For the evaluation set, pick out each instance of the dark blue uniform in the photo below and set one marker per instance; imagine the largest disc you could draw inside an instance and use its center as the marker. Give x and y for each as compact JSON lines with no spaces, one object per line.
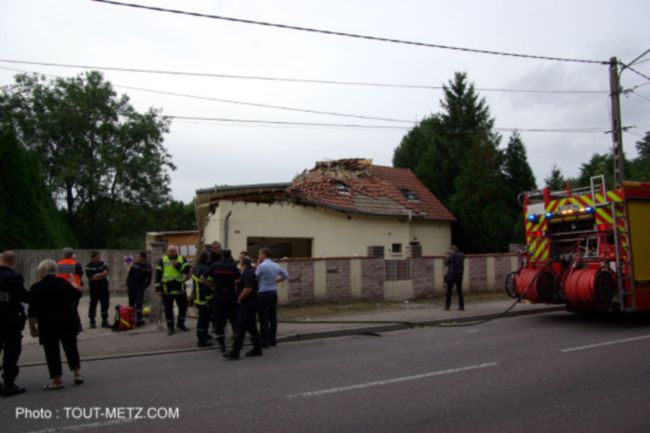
{"x":12,"y":322}
{"x":137,"y":282}
{"x":202,"y":295}
{"x":224,"y":274}
{"x":247,"y":316}
{"x":98,"y":292}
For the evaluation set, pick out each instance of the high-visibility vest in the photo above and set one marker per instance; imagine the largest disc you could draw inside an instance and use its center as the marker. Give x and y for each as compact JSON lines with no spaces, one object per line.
{"x":170,"y":273}
{"x":66,"y":269}
{"x":199,"y":292}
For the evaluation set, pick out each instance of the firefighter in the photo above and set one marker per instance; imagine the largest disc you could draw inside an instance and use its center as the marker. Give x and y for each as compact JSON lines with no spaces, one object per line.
{"x":202,"y":296}
{"x":215,"y":252}
{"x":223,"y":275}
{"x":137,"y":282}
{"x":12,"y":322}
{"x":97,"y":273}
{"x":70,"y":270}
{"x":246,"y":317}
{"x":171,"y":273}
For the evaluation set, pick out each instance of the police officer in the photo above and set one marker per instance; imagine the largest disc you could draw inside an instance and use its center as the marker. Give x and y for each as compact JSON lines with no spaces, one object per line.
{"x":202,"y":295}
{"x":12,"y":322}
{"x":137,"y":282}
{"x":223,"y":275}
{"x":97,"y":273}
{"x":246,"y":316}
{"x":171,"y":273}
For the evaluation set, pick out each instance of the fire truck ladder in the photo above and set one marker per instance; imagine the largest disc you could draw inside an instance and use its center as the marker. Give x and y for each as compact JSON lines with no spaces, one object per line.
{"x":598,"y":185}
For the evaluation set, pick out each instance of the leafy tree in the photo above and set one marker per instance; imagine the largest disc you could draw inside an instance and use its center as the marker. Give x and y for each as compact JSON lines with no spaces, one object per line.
{"x":555,"y":180}
{"x":28,"y":214}
{"x":640,"y":167}
{"x":97,"y":153}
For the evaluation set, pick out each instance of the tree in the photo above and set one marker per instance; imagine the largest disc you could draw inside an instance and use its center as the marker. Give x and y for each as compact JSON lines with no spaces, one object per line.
{"x":28,"y":214}
{"x":97,"y":153}
{"x":455,"y":154}
{"x":640,"y":166}
{"x":555,"y":180}
{"x":518,"y":178}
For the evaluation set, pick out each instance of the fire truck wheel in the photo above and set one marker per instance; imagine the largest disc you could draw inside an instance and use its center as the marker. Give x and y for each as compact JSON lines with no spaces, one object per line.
{"x":511,"y":290}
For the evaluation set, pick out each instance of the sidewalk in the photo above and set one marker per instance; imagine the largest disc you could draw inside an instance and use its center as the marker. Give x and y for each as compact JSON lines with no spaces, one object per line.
{"x":95,"y":344}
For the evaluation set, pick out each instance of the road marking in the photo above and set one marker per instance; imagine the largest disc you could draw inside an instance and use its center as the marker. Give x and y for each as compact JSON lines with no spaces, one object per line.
{"x":390,"y":381}
{"x":84,"y":426}
{"x":605,"y":343}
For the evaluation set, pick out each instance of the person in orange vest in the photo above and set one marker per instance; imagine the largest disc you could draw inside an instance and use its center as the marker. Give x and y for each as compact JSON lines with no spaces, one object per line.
{"x":71,"y":270}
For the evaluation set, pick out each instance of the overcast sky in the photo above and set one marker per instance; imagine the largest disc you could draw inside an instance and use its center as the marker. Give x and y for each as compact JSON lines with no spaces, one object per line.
{"x":86,"y":32}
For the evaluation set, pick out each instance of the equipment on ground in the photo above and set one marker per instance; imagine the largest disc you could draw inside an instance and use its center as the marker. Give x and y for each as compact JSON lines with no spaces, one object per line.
{"x":124,"y":318}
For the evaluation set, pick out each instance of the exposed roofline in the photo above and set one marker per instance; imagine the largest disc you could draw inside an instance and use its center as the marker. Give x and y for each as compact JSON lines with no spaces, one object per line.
{"x":279,"y":185}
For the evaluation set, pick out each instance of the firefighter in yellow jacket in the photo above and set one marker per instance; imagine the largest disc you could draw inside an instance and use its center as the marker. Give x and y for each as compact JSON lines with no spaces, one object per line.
{"x":171,"y":273}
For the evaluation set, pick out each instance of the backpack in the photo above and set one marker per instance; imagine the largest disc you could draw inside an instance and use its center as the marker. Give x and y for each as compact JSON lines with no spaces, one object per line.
{"x":124,"y":318}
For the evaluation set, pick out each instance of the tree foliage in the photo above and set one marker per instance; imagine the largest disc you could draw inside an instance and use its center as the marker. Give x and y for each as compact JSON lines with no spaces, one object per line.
{"x":555,"y":180}
{"x":455,"y":153}
{"x":28,"y":214}
{"x":98,"y":155}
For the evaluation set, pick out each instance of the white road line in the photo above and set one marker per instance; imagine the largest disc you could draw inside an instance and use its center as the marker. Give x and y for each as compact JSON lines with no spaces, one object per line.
{"x":84,"y":426}
{"x":390,"y":381}
{"x":605,"y":343}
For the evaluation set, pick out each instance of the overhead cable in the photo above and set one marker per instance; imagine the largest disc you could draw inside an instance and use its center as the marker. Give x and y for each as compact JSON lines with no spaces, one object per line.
{"x":354,"y":35}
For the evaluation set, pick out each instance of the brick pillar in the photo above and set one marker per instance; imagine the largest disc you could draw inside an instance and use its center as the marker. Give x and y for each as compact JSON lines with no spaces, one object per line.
{"x":375,"y":252}
{"x":156,"y":251}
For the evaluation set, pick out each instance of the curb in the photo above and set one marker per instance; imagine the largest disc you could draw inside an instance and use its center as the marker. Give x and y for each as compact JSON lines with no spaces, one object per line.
{"x":378,"y":327}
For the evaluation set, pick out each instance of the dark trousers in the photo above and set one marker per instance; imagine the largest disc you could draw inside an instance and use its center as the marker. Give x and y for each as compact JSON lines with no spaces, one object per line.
{"x":225,"y":310}
{"x":101,"y":295}
{"x":181,"y":303}
{"x":203,"y":323}
{"x":457,"y":280}
{"x":53,"y":353}
{"x":267,"y":310}
{"x":246,"y":323}
{"x":11,"y":336}
{"x":136,"y":298}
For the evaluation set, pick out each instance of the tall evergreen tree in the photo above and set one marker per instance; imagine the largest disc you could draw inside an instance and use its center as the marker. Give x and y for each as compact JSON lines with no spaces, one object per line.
{"x":555,"y":179}
{"x":640,"y":167}
{"x":519,"y":178}
{"x":28,"y":214}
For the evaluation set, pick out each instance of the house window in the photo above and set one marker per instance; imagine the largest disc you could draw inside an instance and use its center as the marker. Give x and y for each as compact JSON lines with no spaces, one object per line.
{"x":410,"y":195}
{"x":342,"y":188}
{"x":396,"y":248}
{"x":396,"y":270}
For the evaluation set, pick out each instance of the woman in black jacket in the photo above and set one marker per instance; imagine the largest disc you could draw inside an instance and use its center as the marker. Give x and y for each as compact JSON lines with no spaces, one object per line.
{"x":54,"y":319}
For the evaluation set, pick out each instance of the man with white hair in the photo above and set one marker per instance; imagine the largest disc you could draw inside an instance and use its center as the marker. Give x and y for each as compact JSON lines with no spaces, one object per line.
{"x":171,"y":273}
{"x":12,"y":322}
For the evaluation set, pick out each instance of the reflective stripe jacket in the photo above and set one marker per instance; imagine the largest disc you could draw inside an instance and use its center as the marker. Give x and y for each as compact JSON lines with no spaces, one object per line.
{"x":202,"y":292}
{"x":70,"y":270}
{"x":170,"y":277}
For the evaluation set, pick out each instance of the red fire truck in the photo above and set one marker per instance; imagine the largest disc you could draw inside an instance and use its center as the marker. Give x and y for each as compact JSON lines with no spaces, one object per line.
{"x":587,"y":248}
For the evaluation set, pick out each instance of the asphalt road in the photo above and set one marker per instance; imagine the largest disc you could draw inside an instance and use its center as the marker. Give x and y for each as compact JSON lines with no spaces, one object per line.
{"x":547,"y":373}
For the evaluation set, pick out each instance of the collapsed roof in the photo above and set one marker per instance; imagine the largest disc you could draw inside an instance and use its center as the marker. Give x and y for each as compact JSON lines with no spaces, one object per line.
{"x":352,"y":186}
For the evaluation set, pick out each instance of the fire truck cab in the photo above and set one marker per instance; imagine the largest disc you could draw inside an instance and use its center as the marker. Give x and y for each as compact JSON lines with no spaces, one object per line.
{"x":587,"y":248}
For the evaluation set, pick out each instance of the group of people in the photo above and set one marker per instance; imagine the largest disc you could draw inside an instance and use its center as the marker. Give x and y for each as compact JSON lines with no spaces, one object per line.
{"x":224,"y":291}
{"x":53,"y":318}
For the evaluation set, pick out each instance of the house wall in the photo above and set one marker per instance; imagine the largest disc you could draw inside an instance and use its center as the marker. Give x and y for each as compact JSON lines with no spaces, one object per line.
{"x":334,"y":234}
{"x":362,"y":278}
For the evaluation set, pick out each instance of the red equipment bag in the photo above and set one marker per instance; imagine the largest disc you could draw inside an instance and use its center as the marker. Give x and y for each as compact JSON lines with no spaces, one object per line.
{"x":124,"y":318}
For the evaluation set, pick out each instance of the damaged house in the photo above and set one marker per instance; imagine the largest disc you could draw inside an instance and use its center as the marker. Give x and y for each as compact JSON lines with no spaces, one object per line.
{"x":337,"y":209}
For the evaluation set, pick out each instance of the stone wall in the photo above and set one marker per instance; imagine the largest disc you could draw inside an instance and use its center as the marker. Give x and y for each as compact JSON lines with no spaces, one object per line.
{"x":376,"y":278}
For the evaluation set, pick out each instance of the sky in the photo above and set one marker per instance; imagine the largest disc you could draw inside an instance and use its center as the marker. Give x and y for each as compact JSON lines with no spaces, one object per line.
{"x":84,"y":32}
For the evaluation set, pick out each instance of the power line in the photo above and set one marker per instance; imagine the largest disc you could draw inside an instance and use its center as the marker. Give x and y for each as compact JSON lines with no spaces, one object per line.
{"x":246,"y":103}
{"x":347,"y":125}
{"x":268,"y":122}
{"x":640,"y":74}
{"x":641,"y":96}
{"x":291,"y":79}
{"x":353,"y":35}
{"x":637,"y":58}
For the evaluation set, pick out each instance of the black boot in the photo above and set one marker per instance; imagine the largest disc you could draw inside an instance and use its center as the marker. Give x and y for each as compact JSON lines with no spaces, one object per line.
{"x":204,"y":343}
{"x":105,"y":323}
{"x":181,"y":326}
{"x":222,"y":344}
{"x":257,"y":347}
{"x":93,"y":324}
{"x":170,"y":331}
{"x":231,"y":355}
{"x":11,"y":390}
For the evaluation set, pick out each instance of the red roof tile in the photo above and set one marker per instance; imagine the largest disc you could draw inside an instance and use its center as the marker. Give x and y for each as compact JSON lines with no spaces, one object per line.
{"x":373,"y":190}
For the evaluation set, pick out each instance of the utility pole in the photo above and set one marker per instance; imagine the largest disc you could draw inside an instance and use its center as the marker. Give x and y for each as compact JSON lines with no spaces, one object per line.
{"x":617,"y":129}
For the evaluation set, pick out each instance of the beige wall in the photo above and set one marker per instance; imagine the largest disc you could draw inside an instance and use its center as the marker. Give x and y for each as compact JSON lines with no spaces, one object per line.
{"x":333,"y":234}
